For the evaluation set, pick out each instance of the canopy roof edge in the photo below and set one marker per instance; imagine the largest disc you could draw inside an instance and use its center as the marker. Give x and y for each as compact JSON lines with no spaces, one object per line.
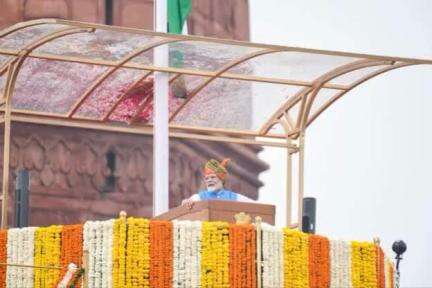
{"x":241,"y":43}
{"x":331,"y":72}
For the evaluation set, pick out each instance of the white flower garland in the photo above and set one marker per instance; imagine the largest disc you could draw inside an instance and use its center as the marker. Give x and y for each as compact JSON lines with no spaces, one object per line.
{"x":98,"y":241}
{"x":20,"y":250}
{"x":108,"y":236}
{"x":177,"y":267}
{"x":12,"y":258}
{"x":340,"y":264}
{"x":186,"y":254}
{"x":89,"y":246}
{"x":272,"y":253}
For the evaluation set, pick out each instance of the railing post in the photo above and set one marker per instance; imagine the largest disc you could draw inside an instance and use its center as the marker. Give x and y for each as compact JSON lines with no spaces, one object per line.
{"x":399,"y":247}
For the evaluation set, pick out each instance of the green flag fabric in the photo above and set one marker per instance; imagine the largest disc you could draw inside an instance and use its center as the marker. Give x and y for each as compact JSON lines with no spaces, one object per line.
{"x":178,"y":11}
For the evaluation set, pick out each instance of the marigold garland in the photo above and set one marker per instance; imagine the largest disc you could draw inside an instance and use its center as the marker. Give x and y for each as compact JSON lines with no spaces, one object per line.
{"x":189,"y":254}
{"x":319,"y":266}
{"x":47,"y":252}
{"x":272,"y":256}
{"x":242,"y":256}
{"x":12,"y":274}
{"x":389,"y":273}
{"x":119,"y":254}
{"x":71,"y":247}
{"x":107,"y":258}
{"x":380,"y":267}
{"x":296,"y":259}
{"x":98,"y":241}
{"x":186,"y":254}
{"x":89,"y":243}
{"x":215,"y":255}
{"x":20,"y":250}
{"x":340,"y":264}
{"x":138,"y":253}
{"x":3,"y":257}
{"x":392,"y":276}
{"x":364,"y":265}
{"x":161,"y":248}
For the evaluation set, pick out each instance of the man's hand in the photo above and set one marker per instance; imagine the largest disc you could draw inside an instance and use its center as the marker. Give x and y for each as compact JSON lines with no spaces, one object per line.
{"x":189,"y":203}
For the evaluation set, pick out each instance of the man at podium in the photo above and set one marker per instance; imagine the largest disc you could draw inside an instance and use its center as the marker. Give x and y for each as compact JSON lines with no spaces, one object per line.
{"x":215,"y":175}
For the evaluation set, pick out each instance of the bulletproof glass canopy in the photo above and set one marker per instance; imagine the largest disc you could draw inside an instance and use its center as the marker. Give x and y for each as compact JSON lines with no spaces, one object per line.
{"x":95,"y":76}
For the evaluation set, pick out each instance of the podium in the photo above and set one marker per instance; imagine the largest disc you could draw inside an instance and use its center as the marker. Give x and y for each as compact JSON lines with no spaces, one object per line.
{"x":220,"y":210}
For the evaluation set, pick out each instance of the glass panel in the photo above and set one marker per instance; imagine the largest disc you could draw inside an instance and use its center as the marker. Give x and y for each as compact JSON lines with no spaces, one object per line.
{"x":181,"y":88}
{"x":291,"y":65}
{"x":52,"y":86}
{"x":2,"y":84}
{"x":143,"y":99}
{"x":323,"y":96}
{"x":101,"y":44}
{"x":25,"y":36}
{"x":106,"y":94}
{"x":3,"y":59}
{"x":234,"y":104}
{"x":198,"y":55}
{"x":350,"y":78}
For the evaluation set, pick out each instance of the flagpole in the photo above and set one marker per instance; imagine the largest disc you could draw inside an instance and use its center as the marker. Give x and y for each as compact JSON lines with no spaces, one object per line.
{"x":160,"y":122}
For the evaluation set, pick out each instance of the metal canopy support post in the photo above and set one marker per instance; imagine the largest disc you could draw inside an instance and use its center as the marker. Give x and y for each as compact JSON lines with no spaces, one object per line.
{"x":301,"y":180}
{"x":160,"y":128}
{"x":6,"y":150}
{"x":289,"y":185}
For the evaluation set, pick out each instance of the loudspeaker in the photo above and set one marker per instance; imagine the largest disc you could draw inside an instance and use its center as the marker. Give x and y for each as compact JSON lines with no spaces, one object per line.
{"x":22,"y":199}
{"x":309,"y":215}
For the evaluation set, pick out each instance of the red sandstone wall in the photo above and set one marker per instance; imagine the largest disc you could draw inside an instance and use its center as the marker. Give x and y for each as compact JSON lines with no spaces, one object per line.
{"x":216,"y":18}
{"x":68,"y":171}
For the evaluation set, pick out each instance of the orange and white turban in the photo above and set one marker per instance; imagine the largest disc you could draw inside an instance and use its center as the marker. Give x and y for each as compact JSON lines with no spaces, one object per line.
{"x":214,"y":167}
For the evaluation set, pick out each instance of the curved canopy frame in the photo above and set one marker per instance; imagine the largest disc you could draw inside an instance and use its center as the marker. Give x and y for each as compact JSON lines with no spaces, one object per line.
{"x":78,"y":74}
{"x":211,"y":72}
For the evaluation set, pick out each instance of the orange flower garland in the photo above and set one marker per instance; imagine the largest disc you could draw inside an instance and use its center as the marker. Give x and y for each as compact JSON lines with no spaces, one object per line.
{"x":319,"y":262}
{"x":3,"y":257}
{"x":242,"y":256}
{"x":380,"y":267}
{"x":161,"y":250}
{"x":71,"y":247}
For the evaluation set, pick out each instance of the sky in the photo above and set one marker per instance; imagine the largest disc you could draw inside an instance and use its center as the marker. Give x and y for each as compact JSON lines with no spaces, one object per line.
{"x":368,"y":157}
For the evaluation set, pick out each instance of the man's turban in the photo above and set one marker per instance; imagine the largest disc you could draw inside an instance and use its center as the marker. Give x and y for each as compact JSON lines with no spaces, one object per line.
{"x":214,"y":167}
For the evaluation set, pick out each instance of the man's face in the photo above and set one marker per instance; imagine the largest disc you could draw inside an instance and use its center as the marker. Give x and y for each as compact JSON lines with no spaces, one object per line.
{"x":212,"y":182}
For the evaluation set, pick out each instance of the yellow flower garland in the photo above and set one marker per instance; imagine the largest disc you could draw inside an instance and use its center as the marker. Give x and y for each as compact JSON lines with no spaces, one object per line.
{"x":215,"y":255}
{"x":47,"y":252}
{"x":363,"y":265}
{"x":138,"y":253}
{"x":296,"y":259}
{"x":119,"y":254}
